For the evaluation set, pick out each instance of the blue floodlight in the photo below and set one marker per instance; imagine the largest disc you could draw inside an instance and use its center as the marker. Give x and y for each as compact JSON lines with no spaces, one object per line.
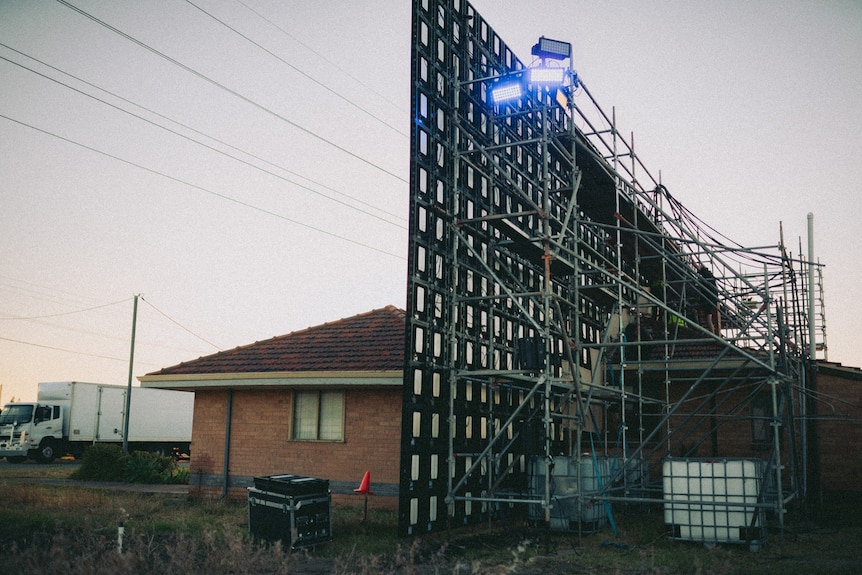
{"x":547,"y":77}
{"x":506,"y":90}
{"x":548,"y":49}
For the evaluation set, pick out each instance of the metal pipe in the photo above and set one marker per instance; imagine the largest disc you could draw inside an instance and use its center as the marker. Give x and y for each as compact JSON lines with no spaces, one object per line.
{"x":776,"y":431}
{"x":225,"y":471}
{"x":452,"y":490}
{"x":812,"y":346}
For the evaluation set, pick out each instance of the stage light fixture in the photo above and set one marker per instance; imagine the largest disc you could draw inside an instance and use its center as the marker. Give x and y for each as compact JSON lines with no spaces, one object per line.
{"x":548,"y":49}
{"x":546,"y":77}
{"x":506,"y":90}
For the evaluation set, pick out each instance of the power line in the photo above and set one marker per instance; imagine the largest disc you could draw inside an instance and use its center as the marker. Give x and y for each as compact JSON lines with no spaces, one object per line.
{"x":67,"y":312}
{"x":300,"y":185}
{"x":63,"y":349}
{"x":149,"y":344}
{"x":181,"y":326}
{"x":231,"y":91}
{"x":298,"y":71}
{"x":202,"y":189}
{"x":72,"y":351}
{"x":335,"y":65}
{"x":46,"y":294}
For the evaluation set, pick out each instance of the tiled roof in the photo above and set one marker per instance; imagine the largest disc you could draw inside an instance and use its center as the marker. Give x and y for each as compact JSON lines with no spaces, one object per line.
{"x":843,"y":371}
{"x":687,"y":345}
{"x":372,"y":341}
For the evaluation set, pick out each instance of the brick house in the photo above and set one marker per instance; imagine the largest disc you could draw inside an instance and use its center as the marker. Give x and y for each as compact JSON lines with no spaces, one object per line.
{"x":320,"y":402}
{"x":327,"y":402}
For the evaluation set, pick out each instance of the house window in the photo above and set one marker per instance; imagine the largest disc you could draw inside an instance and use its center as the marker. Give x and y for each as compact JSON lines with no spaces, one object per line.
{"x":318,"y":416}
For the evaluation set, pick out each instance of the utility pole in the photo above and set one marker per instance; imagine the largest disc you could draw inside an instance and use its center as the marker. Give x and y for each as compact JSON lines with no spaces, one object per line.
{"x":129,"y":387}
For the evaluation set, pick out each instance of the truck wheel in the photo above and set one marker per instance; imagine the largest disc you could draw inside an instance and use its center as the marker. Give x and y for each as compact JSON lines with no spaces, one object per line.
{"x":46,"y":451}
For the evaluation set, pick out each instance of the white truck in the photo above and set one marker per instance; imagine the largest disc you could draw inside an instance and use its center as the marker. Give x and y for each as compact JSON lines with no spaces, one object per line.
{"x":70,"y":415}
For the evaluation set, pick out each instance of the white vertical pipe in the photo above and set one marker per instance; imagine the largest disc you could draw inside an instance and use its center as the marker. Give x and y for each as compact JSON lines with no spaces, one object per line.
{"x":767,"y":298}
{"x":812,"y":347}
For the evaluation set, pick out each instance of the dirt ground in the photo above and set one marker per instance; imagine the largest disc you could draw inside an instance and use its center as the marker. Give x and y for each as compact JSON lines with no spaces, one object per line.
{"x":826,"y":541}
{"x":640,"y":546}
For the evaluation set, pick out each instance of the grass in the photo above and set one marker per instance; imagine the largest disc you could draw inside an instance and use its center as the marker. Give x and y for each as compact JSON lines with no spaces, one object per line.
{"x":58,"y":470}
{"x":48,"y":528}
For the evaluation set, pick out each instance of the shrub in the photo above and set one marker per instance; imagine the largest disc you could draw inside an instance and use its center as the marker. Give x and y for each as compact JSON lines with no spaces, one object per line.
{"x":146,"y":467}
{"x":101,"y":462}
{"x":180,"y":476}
{"x":106,"y":462}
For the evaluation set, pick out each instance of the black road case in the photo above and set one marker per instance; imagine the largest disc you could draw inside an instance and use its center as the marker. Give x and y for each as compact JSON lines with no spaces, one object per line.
{"x":296,"y":519}
{"x":292,"y":484}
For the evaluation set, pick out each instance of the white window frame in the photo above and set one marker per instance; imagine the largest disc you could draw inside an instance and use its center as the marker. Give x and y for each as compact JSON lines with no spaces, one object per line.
{"x":317,"y":424}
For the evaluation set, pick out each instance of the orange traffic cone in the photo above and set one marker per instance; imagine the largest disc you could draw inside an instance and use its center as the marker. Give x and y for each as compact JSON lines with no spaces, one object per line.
{"x":365,"y":486}
{"x":365,"y":489}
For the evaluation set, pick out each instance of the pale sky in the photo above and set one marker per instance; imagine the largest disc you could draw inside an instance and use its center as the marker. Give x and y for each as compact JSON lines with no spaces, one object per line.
{"x":243,"y":164}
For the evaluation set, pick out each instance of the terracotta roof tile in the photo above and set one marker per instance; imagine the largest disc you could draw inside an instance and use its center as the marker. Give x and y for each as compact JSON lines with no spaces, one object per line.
{"x":372,"y":341}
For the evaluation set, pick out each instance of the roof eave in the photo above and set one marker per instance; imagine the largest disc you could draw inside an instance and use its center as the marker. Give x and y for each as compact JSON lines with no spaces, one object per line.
{"x":198,"y":381}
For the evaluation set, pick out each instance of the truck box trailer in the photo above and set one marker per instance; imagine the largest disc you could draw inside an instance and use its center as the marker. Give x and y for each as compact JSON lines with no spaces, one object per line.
{"x":70,"y":415}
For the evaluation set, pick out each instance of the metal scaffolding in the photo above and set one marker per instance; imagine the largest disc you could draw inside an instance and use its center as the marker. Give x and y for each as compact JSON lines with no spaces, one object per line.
{"x":568,"y":316}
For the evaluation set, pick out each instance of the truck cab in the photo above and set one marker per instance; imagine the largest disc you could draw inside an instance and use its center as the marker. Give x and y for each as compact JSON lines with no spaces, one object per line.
{"x":30,"y":429}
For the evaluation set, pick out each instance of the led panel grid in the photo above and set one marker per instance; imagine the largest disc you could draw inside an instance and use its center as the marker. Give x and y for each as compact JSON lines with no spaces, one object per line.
{"x":465,"y":274}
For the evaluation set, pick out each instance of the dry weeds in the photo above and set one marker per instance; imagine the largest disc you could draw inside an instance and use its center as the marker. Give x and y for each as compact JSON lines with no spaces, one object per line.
{"x":68,"y":529}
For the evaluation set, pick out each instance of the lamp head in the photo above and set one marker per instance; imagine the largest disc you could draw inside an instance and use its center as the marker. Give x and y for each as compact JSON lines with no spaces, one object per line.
{"x":507,"y":90}
{"x":547,"y":77}
{"x":548,"y":49}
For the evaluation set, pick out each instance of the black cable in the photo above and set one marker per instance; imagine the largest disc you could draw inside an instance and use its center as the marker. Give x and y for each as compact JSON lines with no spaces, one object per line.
{"x":63,"y":349}
{"x":230,"y":91}
{"x":181,"y":326}
{"x":347,"y":73}
{"x":298,"y":71}
{"x":201,"y":188}
{"x":174,"y":132}
{"x":65,"y":313}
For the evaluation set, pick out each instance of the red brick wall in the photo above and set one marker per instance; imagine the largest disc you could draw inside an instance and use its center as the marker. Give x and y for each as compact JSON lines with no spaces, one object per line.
{"x":261,"y":445}
{"x":208,"y":431}
{"x":839,"y":428}
{"x":732,"y":422}
{"x":261,"y":422}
